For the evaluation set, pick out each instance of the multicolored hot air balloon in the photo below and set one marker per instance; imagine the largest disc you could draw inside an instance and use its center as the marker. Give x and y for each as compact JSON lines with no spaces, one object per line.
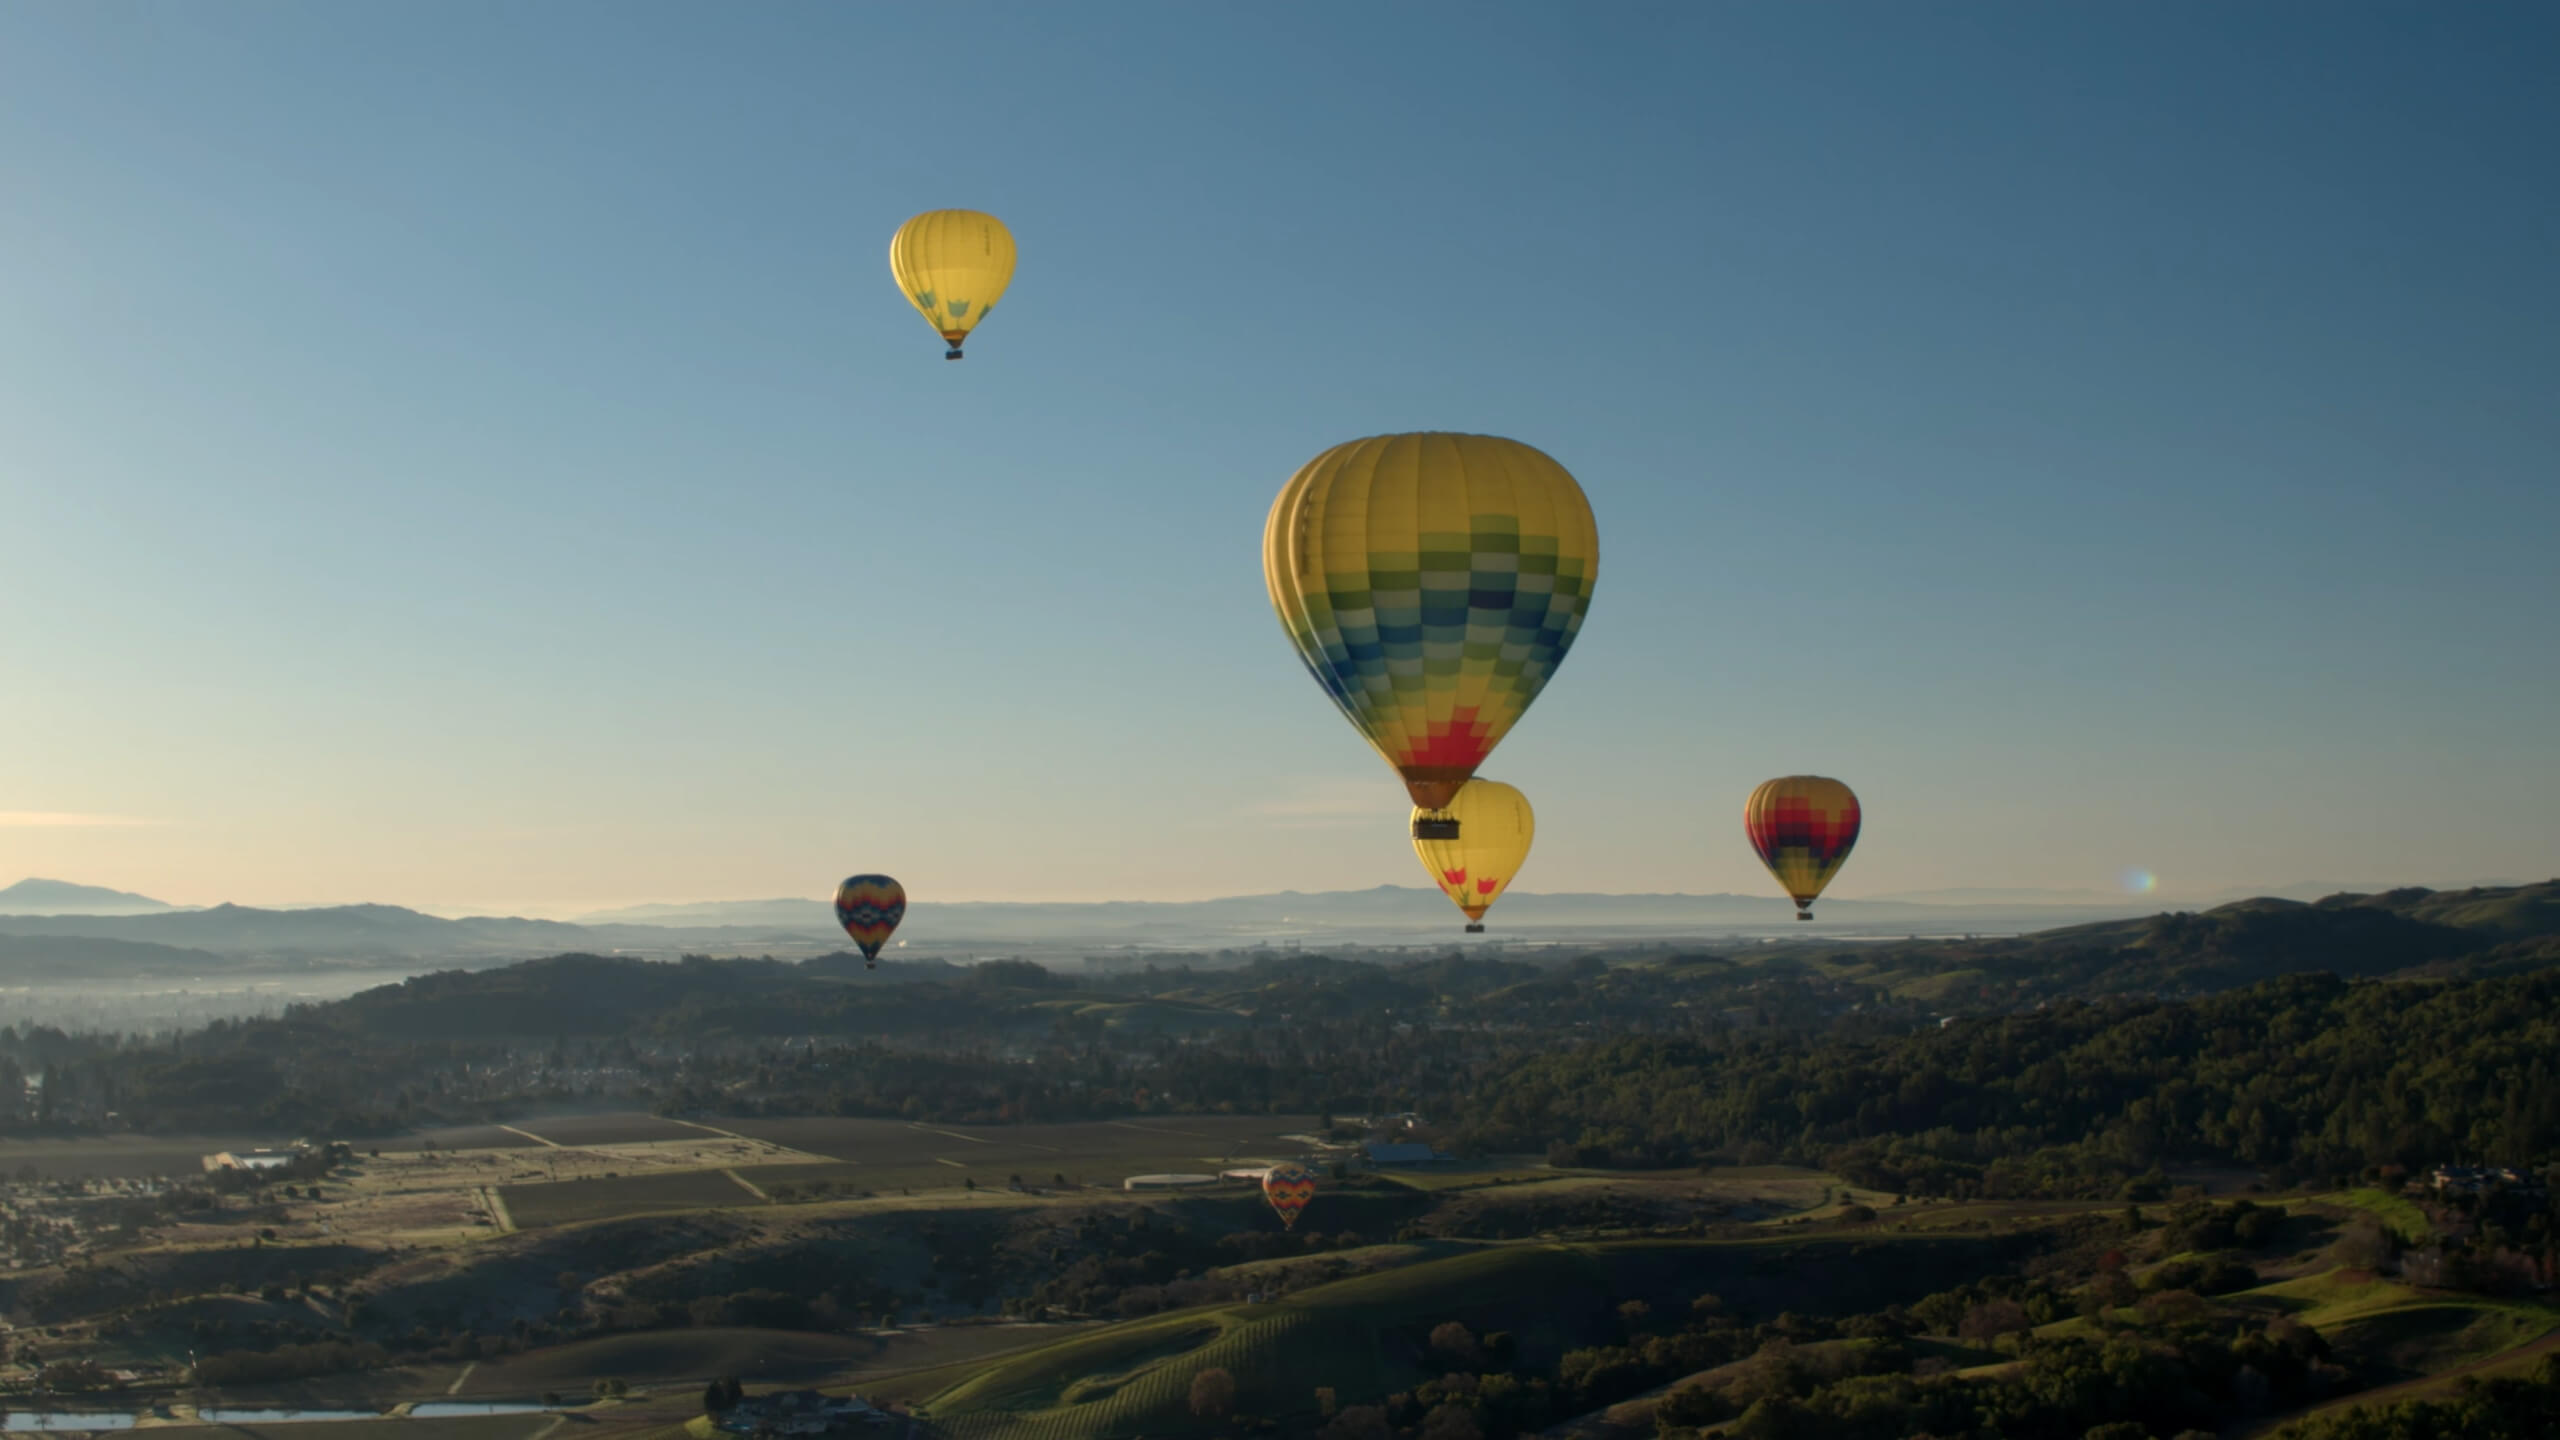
{"x":953,"y":266}
{"x":1432,"y":583}
{"x":869,"y":907}
{"x":1289,"y":1188}
{"x":1803,"y":826}
{"x":1474,"y":847}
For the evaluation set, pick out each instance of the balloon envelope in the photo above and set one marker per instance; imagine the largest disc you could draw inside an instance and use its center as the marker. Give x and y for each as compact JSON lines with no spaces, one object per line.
{"x":952,"y":266}
{"x":1432,"y":583}
{"x":1493,"y":826}
{"x":869,"y":907}
{"x":1803,"y":826}
{"x":1289,"y":1188}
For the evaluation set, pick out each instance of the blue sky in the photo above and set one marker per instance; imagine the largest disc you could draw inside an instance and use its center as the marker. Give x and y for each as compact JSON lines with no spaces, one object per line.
{"x":473,"y":453}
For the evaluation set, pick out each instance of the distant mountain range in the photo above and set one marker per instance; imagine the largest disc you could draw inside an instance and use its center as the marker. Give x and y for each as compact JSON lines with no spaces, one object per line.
{"x":699,"y":913}
{"x":1985,"y":895}
{"x":373,"y":935}
{"x":2409,"y":933}
{"x":377,"y":936}
{"x":60,"y":897}
{"x":1383,"y":913}
{"x":347,"y":933}
{"x":71,"y":959}
{"x":2305,"y":890}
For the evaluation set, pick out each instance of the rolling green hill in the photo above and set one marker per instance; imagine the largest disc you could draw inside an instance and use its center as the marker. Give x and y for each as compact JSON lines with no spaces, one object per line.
{"x":1367,"y":1335}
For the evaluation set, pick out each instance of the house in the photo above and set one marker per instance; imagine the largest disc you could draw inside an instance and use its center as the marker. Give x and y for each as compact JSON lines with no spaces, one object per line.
{"x":262,"y":1159}
{"x":1407,"y":1153}
{"x":2460,"y":1179}
{"x":2477,"y":1179}
{"x":797,"y":1412}
{"x":1401,"y":1120}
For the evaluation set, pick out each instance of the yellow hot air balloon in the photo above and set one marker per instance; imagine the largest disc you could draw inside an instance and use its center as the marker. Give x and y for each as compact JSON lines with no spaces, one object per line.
{"x":1432,"y":583}
{"x":953,"y":266}
{"x":1474,"y":847}
{"x":1803,"y":826}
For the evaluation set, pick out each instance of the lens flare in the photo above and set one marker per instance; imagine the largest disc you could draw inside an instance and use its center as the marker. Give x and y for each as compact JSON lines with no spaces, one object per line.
{"x":2140,"y":882}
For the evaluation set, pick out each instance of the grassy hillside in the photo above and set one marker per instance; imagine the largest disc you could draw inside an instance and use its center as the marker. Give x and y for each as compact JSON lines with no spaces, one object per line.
{"x":1367,"y":1335}
{"x":2400,"y":1216}
{"x":2508,"y":912}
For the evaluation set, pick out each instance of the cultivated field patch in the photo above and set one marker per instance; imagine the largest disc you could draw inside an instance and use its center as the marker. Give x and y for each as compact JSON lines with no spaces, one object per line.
{"x":571,"y":1201}
{"x":2398,"y":1214}
{"x":622,"y":1129}
{"x":669,"y":1356}
{"x":890,"y":1157}
{"x":1195,"y":1139}
{"x":445,"y":1427}
{"x":120,"y":1157}
{"x":2425,"y":1339}
{"x":454,"y":1137}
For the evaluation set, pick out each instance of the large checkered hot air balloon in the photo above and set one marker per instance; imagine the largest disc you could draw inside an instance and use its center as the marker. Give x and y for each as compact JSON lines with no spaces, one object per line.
{"x":1432,"y":583}
{"x":869,"y":907}
{"x":1475,"y":846}
{"x":1289,"y":1188}
{"x":952,"y":265}
{"x":1803,"y":826}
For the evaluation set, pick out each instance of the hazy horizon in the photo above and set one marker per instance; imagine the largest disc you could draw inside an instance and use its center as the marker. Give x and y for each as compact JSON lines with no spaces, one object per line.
{"x":1954,"y":897}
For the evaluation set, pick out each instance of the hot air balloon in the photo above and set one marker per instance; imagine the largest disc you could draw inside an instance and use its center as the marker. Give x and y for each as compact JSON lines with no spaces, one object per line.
{"x":953,"y":266}
{"x":869,"y":907}
{"x":1289,"y":1188}
{"x":1475,"y":846}
{"x":1432,"y":583}
{"x":1803,"y":826}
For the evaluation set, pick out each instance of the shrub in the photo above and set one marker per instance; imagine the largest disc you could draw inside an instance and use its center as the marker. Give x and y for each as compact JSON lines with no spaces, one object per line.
{"x":1993,"y":1318}
{"x":1360,"y":1422}
{"x":1213,"y":1394}
{"x":1455,"y":1342}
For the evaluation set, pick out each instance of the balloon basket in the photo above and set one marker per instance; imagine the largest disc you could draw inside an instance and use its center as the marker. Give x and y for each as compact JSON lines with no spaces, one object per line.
{"x":1804,"y":914}
{"x":1475,"y":929}
{"x":952,"y":354}
{"x":1436,"y":827}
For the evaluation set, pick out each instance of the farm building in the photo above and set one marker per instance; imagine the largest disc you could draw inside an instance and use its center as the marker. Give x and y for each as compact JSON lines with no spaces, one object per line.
{"x":253,"y":1159}
{"x":1167,"y":1182}
{"x":1401,"y":1120}
{"x":796,"y":1412}
{"x":2477,"y":1179}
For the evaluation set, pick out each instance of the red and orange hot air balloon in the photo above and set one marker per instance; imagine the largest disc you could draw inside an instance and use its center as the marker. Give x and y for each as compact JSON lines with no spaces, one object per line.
{"x":1289,"y":1188}
{"x":869,"y":907}
{"x":1803,"y":826}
